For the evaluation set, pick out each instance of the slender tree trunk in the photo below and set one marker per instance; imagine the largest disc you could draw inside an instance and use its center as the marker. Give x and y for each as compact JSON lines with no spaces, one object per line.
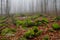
{"x":1,"y":7}
{"x":45,"y":6}
{"x":32,"y":6}
{"x":41,"y":6}
{"x":7,"y":8}
{"x":36,"y":5}
{"x":56,"y":7}
{"x":55,"y":2}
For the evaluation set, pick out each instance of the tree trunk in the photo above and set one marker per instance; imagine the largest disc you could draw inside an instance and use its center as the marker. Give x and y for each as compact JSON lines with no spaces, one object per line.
{"x":56,"y":7}
{"x":1,"y":7}
{"x":45,"y":6}
{"x":32,"y":6}
{"x":7,"y":8}
{"x":41,"y":6}
{"x":55,"y":2}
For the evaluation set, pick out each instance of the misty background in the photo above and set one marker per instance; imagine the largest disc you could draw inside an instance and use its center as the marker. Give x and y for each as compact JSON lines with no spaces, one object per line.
{"x":22,"y":6}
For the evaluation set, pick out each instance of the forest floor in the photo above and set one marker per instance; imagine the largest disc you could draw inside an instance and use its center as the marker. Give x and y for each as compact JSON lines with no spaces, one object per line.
{"x":48,"y":32}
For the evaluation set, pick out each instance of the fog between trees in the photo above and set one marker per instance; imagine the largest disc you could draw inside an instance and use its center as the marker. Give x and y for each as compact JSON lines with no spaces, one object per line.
{"x":30,"y":6}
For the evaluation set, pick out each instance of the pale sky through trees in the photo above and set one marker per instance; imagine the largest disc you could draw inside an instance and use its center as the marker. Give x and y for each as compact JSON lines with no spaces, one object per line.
{"x":26,"y":5}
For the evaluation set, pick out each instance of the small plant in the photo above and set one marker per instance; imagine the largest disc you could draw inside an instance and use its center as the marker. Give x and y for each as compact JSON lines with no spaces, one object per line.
{"x":51,"y":30}
{"x":41,"y":22}
{"x":22,"y":15}
{"x":28,"y":23}
{"x":57,"y":18}
{"x":2,"y":18}
{"x":4,"y":39}
{"x":56,"y":26}
{"x":23,"y":38}
{"x":2,"y":21}
{"x":38,"y":22}
{"x":39,"y":32}
{"x":36,"y":31}
{"x":40,"y":15}
{"x":29,"y":34}
{"x":19,"y":22}
{"x":8,"y":31}
{"x":33,"y":33}
{"x":44,"y":20}
{"x":1,"y":25}
{"x":34,"y":17}
{"x":46,"y":37}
